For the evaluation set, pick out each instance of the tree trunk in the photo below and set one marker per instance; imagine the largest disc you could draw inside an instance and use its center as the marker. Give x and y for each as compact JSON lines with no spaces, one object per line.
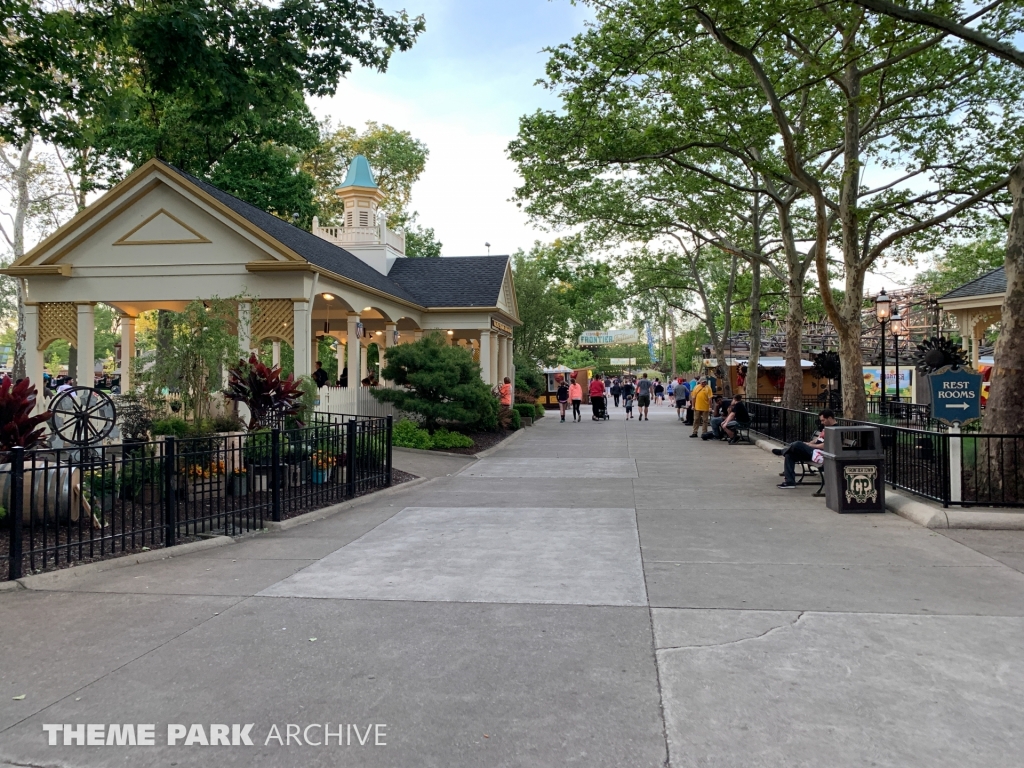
{"x":793,"y":389}
{"x":21,"y":204}
{"x":750,"y":385}
{"x":18,"y":369}
{"x":1004,"y":413}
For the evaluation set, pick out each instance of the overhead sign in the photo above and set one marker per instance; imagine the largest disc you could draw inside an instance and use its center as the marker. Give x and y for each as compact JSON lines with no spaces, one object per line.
{"x":956,"y":396}
{"x":497,"y":325}
{"x":598,"y":338}
{"x":622,"y":361}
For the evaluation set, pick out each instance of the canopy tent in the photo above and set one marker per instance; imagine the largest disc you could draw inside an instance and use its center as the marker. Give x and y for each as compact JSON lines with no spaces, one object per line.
{"x":777,"y":362}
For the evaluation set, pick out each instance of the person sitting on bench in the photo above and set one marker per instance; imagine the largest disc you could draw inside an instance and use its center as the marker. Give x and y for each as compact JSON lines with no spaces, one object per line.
{"x":737,"y":417}
{"x":799,"y":451}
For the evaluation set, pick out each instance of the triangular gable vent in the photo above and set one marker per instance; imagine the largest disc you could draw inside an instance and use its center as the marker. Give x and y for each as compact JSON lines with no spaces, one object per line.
{"x":162,"y":228}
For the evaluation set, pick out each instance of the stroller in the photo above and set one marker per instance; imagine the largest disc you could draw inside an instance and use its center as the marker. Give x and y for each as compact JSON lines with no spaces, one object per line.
{"x":599,"y":404}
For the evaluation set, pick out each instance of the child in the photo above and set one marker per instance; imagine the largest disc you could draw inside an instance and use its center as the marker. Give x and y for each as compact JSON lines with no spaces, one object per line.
{"x":628,"y":390}
{"x":563,"y":398}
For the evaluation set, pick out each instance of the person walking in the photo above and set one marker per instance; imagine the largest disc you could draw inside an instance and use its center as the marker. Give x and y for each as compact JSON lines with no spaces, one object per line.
{"x":643,"y":396}
{"x":320,"y":375}
{"x":659,"y":392}
{"x":682,"y":393}
{"x":628,"y":393}
{"x":616,"y":391}
{"x":576,"y":396}
{"x":670,"y":389}
{"x":701,"y":406}
{"x":563,"y":398}
{"x":597,"y":399}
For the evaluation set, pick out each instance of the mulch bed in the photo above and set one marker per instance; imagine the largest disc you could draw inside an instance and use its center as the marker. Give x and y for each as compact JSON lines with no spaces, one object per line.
{"x":481,"y":442}
{"x":127,"y":536}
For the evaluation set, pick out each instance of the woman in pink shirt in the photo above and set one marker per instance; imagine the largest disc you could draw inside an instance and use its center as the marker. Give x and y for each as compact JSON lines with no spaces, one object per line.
{"x":576,"y":395}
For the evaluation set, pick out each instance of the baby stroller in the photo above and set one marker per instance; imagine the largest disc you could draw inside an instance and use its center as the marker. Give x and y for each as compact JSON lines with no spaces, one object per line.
{"x":600,"y":407}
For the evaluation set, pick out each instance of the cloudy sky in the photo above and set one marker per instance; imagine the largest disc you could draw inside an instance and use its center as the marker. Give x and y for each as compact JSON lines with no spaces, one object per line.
{"x":461,"y":90}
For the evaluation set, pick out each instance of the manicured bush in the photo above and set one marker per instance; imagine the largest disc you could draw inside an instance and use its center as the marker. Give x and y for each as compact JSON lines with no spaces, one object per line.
{"x":440,"y":383}
{"x":444,"y":439}
{"x":514,"y":421}
{"x":538,"y":411}
{"x":524,"y":409}
{"x":405,"y":434}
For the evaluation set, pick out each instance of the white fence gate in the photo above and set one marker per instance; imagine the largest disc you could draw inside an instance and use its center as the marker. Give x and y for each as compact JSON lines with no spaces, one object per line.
{"x":355,"y":401}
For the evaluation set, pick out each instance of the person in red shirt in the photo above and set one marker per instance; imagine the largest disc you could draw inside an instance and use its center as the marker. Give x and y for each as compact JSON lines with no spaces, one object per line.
{"x":505,"y":392}
{"x":597,"y":402}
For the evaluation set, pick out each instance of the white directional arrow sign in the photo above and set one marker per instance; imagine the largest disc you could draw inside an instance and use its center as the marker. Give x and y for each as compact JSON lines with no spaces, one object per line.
{"x":962,"y":406}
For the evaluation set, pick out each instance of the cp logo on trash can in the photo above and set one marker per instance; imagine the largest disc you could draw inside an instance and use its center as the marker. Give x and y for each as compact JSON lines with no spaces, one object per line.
{"x":860,"y":484}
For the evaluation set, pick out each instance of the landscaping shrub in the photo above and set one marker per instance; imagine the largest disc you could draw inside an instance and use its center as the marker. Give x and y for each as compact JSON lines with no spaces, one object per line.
{"x":524,"y":409}
{"x":174,"y":426}
{"x":18,"y":427}
{"x":440,"y":383}
{"x":444,"y":439}
{"x":538,"y":411}
{"x":227,"y":424}
{"x":405,"y":434}
{"x":514,"y":421}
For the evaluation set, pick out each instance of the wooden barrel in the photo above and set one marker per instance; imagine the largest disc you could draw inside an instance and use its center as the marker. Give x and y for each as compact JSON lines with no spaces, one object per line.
{"x":50,"y":492}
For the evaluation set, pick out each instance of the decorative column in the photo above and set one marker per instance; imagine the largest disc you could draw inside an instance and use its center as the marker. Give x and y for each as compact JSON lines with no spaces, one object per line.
{"x":85,"y":375}
{"x":340,"y":352}
{"x":502,"y":357}
{"x":352,"y":351}
{"x":303,"y":338}
{"x":363,"y":366}
{"x":245,"y":328}
{"x":494,"y":358}
{"x":34,"y":355}
{"x":485,"y":357}
{"x":275,"y":354}
{"x":389,"y":342}
{"x":127,"y":352}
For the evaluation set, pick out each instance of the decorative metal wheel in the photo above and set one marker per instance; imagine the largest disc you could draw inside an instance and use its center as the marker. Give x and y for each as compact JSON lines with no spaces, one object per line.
{"x":82,"y":416}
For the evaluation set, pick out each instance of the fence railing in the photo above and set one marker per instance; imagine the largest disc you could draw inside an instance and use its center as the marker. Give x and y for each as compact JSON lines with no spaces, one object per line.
{"x":966,"y":470}
{"x":65,"y":506}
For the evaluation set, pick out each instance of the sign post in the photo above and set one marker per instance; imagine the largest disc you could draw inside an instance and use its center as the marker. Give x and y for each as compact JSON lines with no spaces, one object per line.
{"x":956,"y":396}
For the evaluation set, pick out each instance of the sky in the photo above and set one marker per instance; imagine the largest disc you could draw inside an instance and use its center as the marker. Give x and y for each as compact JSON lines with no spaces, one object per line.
{"x":461,"y":90}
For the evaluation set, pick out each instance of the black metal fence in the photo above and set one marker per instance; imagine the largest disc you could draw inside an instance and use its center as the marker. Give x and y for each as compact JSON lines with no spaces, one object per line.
{"x":923,"y":462}
{"x":61,"y":507}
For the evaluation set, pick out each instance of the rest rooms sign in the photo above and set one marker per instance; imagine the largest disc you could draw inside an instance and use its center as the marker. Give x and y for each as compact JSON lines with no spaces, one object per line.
{"x":956,"y":396}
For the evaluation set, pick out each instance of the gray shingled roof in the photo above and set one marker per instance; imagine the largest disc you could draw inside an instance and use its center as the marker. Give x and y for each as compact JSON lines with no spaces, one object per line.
{"x":462,"y":281}
{"x":993,"y":282}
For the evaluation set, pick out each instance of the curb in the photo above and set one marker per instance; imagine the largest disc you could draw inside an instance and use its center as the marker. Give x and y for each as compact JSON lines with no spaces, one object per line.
{"x":931,"y":516}
{"x":56,"y":578}
{"x":500,"y":445}
{"x":422,"y":452}
{"x":320,"y":514}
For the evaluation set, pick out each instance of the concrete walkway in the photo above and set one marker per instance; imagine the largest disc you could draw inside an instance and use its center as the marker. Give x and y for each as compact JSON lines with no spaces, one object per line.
{"x":595,"y":594}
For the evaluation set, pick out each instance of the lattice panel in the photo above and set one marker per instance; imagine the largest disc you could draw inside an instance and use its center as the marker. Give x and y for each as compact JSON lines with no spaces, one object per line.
{"x":57,"y":320}
{"x":275,"y":319}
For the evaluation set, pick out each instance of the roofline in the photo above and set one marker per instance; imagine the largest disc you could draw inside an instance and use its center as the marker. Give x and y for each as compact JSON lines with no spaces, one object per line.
{"x":979,"y":297}
{"x":308,"y":266}
{"x":972,"y":282}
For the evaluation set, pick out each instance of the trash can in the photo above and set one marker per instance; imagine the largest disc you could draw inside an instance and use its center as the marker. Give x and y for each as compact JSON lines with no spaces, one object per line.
{"x":854,"y":469}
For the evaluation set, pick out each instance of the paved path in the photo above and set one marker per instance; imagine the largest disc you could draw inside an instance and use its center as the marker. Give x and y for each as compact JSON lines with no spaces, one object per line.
{"x":596,"y":594}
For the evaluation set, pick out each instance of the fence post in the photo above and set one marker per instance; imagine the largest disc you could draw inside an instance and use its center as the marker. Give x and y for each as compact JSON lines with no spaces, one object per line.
{"x":275,"y":460}
{"x":350,"y":459}
{"x":14,"y":552}
{"x":387,"y":481}
{"x":170,"y":503}
{"x":955,"y":465}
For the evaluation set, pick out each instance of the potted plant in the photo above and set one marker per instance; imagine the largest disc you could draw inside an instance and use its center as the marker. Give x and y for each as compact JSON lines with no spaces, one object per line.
{"x":102,"y":484}
{"x":239,"y":482}
{"x":323,"y":467}
{"x":205,"y":480}
{"x":135,"y":420}
{"x":267,"y":395}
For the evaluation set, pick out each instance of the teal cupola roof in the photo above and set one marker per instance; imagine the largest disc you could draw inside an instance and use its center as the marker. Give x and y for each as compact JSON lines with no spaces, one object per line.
{"x":359,"y":174}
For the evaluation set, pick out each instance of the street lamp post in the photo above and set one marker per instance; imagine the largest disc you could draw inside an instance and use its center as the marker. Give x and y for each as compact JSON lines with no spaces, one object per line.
{"x":898,"y":331}
{"x":882,"y":310}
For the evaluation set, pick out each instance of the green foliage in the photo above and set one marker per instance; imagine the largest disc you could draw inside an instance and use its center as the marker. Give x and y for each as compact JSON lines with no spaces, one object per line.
{"x":174,"y":426}
{"x":267,"y":394}
{"x":514,"y":420}
{"x":538,"y":411}
{"x":406,"y":434}
{"x":529,"y":380}
{"x":420,"y":242}
{"x":257,"y":446}
{"x":18,"y":427}
{"x":444,"y":439}
{"x":524,"y":409}
{"x":439,"y":383}
{"x":576,"y":358}
{"x":962,"y":262}
{"x":226,"y":424}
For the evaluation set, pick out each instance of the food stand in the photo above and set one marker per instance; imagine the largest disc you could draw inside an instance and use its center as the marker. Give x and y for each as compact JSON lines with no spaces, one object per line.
{"x":549,"y":397}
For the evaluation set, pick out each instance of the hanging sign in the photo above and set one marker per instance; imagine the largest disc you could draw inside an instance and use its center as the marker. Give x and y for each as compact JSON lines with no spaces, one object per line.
{"x":500,"y":327}
{"x":956,"y":395}
{"x":599,"y":338}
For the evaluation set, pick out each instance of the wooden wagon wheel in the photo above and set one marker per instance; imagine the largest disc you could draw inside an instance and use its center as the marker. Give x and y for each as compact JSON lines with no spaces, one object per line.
{"x":82,"y":416}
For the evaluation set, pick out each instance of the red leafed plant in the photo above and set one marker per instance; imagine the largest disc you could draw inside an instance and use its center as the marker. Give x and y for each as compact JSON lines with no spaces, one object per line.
{"x":267,"y":395}
{"x":18,"y":427}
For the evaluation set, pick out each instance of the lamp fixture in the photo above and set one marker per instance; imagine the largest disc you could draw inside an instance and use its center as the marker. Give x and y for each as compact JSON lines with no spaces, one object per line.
{"x":882,"y":307}
{"x":377,"y":333}
{"x":328,"y":297}
{"x":896,"y":325}
{"x":451,"y":333}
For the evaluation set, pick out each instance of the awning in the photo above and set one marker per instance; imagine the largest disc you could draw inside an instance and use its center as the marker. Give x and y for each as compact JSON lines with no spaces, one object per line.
{"x":778,"y":362}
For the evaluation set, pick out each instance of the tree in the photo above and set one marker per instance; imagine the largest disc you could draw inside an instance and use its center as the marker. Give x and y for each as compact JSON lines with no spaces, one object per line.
{"x":904,"y":100}
{"x":962,"y":262}
{"x":1003,"y":413}
{"x":544,"y":318}
{"x":439,"y":383}
{"x":577,"y":358}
